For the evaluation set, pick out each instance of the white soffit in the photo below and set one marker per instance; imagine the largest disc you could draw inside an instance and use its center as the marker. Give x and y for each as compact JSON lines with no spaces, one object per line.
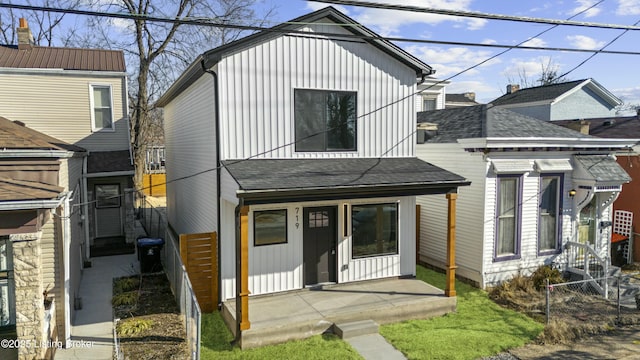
{"x":511,"y":166}
{"x":553,"y":165}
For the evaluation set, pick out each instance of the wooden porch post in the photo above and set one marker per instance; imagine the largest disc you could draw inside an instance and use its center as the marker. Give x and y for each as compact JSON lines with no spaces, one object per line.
{"x":450,"y":288}
{"x":244,"y":267}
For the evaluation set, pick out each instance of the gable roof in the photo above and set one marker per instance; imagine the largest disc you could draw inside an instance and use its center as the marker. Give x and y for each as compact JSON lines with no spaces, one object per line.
{"x":357,"y":30}
{"x":554,"y":92}
{"x":621,"y":127}
{"x":16,"y":136}
{"x":43,"y":57}
{"x":486,"y":121}
{"x":284,"y":180}
{"x":21,"y":190}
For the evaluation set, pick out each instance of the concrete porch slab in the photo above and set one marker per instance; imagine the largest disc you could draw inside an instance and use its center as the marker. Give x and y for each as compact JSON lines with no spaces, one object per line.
{"x":277,"y":318}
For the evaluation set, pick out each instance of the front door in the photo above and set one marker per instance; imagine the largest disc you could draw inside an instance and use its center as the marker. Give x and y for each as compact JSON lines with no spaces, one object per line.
{"x":319,"y":245}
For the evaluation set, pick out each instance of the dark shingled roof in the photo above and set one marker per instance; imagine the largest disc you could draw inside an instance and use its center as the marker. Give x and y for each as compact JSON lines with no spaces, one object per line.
{"x":21,"y":190}
{"x":342,"y":178}
{"x":627,"y":127}
{"x":109,"y":161}
{"x":42,"y":57}
{"x":538,"y":93}
{"x":17,"y":136}
{"x":459,"y":98}
{"x":486,"y":121}
{"x":603,"y":168}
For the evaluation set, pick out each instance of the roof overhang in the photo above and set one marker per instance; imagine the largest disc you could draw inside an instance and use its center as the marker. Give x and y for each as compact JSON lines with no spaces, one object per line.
{"x":30,"y":204}
{"x":555,"y":143}
{"x":268,"y":181}
{"x":20,"y":153}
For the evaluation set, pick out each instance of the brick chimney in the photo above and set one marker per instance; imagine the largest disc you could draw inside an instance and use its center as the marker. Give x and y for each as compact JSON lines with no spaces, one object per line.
{"x":511,"y":88}
{"x":25,"y":37}
{"x":581,"y":125}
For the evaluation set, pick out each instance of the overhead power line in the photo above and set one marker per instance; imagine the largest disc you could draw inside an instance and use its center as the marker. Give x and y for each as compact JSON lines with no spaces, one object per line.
{"x":479,"y":15}
{"x":220,"y":23}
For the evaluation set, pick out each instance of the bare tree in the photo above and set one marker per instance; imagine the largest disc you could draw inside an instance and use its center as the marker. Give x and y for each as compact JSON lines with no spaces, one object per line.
{"x":45,"y":26}
{"x":159,"y":51}
{"x":548,"y":75}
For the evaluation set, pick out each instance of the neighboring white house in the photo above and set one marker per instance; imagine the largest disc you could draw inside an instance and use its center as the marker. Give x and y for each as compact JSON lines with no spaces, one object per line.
{"x":578,"y":99}
{"x":537,"y":192}
{"x":313,"y":125}
{"x":431,"y":94}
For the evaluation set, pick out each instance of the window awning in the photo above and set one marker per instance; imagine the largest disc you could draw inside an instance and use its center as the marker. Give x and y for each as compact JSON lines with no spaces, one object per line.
{"x":511,"y":166}
{"x":602,"y":169}
{"x":553,"y":165}
{"x":262,"y":181}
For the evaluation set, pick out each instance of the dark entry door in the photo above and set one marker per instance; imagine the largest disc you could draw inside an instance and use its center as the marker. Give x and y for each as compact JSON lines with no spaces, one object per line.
{"x":319,"y":245}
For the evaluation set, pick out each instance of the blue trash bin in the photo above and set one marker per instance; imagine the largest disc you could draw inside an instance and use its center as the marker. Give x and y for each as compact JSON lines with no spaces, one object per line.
{"x":149,"y":254}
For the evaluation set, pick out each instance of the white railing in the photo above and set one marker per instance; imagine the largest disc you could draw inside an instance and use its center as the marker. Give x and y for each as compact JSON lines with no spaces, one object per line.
{"x":154,"y":160}
{"x":585,"y":261}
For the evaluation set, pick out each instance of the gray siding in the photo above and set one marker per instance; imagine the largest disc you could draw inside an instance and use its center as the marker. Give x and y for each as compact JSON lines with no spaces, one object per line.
{"x":582,"y":104}
{"x":58,"y":105}
{"x":190,"y":164}
{"x":542,"y":112}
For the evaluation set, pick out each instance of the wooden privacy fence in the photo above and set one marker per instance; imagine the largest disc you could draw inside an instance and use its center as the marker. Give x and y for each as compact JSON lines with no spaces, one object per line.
{"x":154,"y":184}
{"x":199,"y":253}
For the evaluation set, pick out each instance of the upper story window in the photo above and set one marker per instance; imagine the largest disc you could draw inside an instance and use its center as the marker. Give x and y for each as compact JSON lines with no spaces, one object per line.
{"x":549,"y":214}
{"x":429,"y":104}
{"x":101,"y":107}
{"x":325,"y":120}
{"x":508,"y":211}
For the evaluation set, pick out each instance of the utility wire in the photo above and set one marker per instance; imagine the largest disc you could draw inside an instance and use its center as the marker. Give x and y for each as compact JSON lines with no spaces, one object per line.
{"x":474,"y":14}
{"x":220,"y":23}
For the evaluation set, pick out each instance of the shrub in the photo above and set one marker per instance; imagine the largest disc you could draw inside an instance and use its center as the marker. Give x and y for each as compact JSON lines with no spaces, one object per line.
{"x":125,"y":284}
{"x":546,"y":272}
{"x":133,"y":326}
{"x":126,"y":298}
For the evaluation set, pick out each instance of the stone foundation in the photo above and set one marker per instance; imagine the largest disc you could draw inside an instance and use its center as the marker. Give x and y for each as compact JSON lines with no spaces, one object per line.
{"x":28,"y":294}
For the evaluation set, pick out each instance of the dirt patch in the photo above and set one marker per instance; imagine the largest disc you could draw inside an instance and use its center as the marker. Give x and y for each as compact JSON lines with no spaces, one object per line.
{"x":151,"y":327}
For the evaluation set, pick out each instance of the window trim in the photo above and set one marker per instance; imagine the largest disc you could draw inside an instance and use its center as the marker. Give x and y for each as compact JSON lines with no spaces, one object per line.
{"x":326,"y":150}
{"x":94,"y":128}
{"x":113,"y":202}
{"x":559,"y":211}
{"x":286,"y":227}
{"x":397,"y":218}
{"x":518,"y":223}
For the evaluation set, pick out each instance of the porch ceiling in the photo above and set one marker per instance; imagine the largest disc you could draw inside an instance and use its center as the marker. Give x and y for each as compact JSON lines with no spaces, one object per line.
{"x":298,"y":314}
{"x":284,"y":180}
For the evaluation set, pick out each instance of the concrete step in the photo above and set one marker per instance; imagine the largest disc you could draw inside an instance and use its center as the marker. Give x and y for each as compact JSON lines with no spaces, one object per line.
{"x":355,"y":328}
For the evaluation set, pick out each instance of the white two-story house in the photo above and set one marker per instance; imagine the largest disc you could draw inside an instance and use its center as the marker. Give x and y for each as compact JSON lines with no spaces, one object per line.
{"x":78,"y":96}
{"x":306,"y":133}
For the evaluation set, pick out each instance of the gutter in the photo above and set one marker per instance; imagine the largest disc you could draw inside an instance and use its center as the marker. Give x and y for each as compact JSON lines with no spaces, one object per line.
{"x":218,"y":166}
{"x":30,"y":204}
{"x":60,"y":154}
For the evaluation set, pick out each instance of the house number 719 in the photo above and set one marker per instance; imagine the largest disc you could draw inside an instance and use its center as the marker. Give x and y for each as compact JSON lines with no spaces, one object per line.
{"x":297,"y":218}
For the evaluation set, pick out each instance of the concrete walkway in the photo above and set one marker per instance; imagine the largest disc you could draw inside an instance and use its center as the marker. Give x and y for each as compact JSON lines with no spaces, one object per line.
{"x":374,"y":347}
{"x":92,"y":328}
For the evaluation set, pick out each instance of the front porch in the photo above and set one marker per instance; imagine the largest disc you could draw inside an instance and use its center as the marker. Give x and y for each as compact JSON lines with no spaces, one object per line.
{"x":299,"y":314}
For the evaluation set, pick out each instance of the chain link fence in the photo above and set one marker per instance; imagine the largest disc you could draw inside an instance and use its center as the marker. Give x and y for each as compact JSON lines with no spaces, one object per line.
{"x":598,"y":303}
{"x":155,"y":223}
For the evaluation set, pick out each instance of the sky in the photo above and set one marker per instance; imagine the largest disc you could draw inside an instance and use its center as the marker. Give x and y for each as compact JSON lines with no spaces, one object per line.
{"x":618,"y":73}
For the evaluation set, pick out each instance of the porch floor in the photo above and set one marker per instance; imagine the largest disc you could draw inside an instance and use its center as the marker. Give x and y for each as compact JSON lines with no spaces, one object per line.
{"x":276,"y":318}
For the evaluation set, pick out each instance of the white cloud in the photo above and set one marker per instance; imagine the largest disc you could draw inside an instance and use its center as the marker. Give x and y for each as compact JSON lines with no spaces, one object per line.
{"x":489,"y":42}
{"x":535,"y":42}
{"x":449,"y":61}
{"x":628,"y":7}
{"x":389,"y":22}
{"x":585,"y":42}
{"x":583,"y":5}
{"x":630,"y":96}
{"x":484,"y":92}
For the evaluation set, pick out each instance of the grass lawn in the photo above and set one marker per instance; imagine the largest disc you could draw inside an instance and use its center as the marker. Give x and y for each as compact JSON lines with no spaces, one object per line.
{"x":478,"y":328}
{"x":216,"y":340}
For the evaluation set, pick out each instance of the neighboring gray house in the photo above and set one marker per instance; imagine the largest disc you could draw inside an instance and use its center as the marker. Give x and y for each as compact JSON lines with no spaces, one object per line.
{"x":460,"y":100}
{"x":569,"y":100}
{"x":538,"y":191}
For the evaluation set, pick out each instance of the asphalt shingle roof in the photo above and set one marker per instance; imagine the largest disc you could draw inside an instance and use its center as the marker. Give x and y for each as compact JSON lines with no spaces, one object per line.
{"x":301,"y":174}
{"x":627,"y":127}
{"x":43,"y":57}
{"x":603,"y":168}
{"x":109,"y":161}
{"x":19,"y":190}
{"x":486,"y":121}
{"x":17,"y":136}
{"x":538,"y":93}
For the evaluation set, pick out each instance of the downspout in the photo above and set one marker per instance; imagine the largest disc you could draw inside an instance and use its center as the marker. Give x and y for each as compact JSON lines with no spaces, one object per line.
{"x":85,"y":209}
{"x":218,"y":168}
{"x":66,"y":239}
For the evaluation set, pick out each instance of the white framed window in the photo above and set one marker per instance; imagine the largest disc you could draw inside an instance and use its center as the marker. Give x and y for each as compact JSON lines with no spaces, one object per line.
{"x":101,"y":101}
{"x":429,"y":103}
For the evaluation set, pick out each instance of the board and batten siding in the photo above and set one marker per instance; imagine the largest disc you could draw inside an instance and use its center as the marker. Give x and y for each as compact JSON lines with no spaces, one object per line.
{"x":58,"y":104}
{"x":279,"y":267}
{"x":469,"y":211}
{"x":497,"y":271}
{"x":257,"y":95}
{"x":190,"y":140}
